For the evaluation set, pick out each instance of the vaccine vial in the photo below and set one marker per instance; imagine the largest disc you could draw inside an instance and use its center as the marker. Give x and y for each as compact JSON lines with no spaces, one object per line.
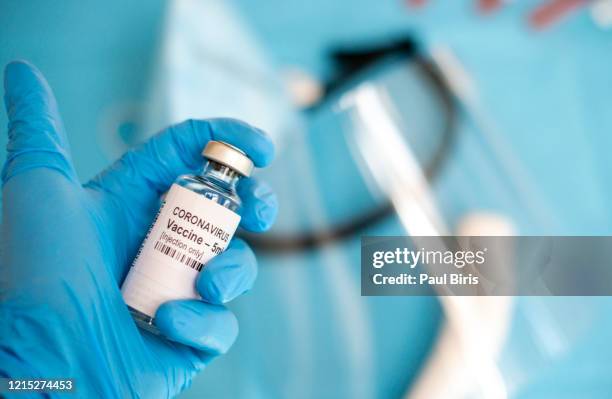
{"x":196,"y":221}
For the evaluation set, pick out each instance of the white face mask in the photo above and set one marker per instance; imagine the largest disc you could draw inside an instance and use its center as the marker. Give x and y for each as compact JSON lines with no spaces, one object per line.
{"x":208,"y":65}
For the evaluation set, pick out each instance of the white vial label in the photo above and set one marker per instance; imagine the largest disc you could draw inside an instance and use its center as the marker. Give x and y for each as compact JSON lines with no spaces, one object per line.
{"x":188,"y":231}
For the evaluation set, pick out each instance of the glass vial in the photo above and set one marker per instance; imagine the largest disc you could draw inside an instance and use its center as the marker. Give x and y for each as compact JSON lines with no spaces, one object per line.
{"x":197,"y":219}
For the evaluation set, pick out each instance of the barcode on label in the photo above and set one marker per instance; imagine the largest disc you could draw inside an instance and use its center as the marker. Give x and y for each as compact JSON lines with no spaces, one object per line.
{"x":177,"y":255}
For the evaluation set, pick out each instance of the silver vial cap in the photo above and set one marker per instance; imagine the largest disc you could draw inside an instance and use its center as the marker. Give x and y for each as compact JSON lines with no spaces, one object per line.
{"x":228,"y":155}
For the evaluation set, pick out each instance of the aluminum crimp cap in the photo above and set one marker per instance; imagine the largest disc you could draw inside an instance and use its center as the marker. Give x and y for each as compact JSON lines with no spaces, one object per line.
{"x":228,"y":155}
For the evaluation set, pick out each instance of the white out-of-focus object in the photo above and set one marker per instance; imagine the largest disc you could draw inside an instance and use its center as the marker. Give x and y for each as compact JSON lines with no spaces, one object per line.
{"x":378,"y":141}
{"x":463,"y":360}
{"x":304,"y":89}
{"x":212,"y":65}
{"x":499,"y":276}
{"x":601,"y":12}
{"x":485,"y":223}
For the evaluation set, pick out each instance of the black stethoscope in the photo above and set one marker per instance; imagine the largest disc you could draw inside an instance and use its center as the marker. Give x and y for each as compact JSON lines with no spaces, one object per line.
{"x":354,"y":67}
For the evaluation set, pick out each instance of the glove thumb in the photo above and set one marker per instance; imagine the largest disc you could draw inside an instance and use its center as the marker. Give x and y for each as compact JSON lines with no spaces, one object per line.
{"x":36,"y":133}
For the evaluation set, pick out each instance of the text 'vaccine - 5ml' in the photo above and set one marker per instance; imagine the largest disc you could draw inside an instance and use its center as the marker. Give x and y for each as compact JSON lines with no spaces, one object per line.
{"x":195,"y":222}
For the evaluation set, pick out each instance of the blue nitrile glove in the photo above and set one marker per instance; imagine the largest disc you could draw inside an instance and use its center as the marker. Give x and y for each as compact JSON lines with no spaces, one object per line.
{"x":66,"y":247}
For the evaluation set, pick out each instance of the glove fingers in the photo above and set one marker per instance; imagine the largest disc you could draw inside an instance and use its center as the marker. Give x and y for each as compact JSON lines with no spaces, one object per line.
{"x":259,"y":205}
{"x":143,"y":174}
{"x":35,"y":129}
{"x":229,"y":274}
{"x":148,"y":171}
{"x":208,"y":328}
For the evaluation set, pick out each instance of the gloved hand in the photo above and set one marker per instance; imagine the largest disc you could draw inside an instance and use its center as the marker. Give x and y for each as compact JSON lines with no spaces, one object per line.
{"x":66,"y":248}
